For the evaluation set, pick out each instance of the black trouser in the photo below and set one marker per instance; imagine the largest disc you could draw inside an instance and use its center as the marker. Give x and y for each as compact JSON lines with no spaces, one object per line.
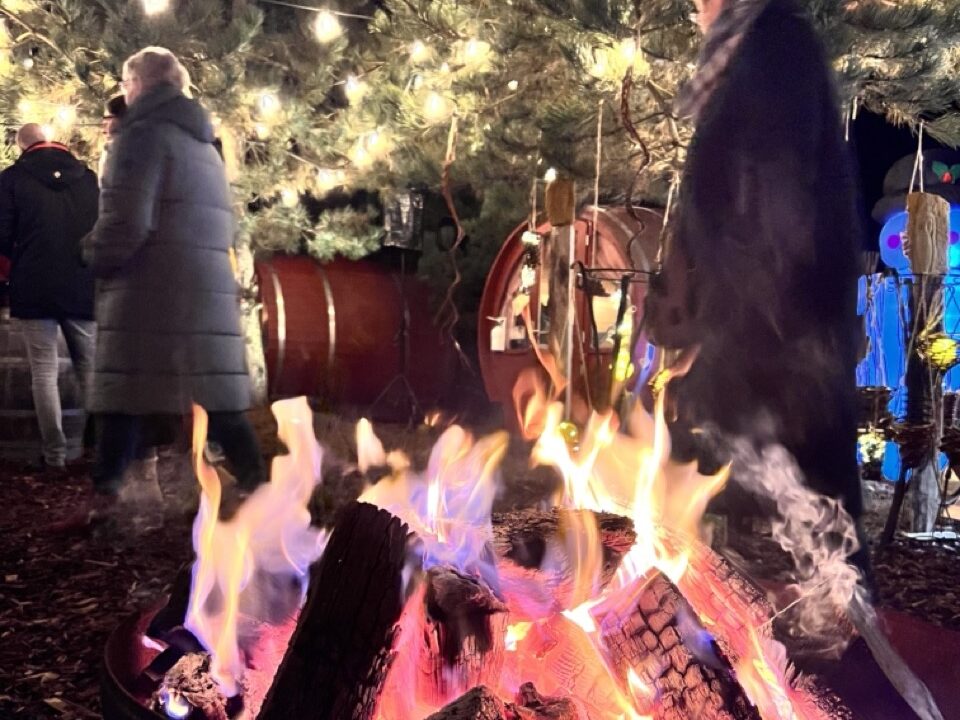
{"x":121,"y":439}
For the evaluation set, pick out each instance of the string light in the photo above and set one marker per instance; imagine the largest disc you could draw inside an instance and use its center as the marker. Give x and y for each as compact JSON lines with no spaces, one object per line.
{"x":378,"y":144}
{"x":354,"y":89}
{"x":419,"y":52}
{"x":513,"y":85}
{"x":289,"y":197}
{"x":261,"y":131}
{"x":268,"y":104}
{"x":328,"y":179}
{"x":66,"y":115}
{"x":28,"y":63}
{"x":26,"y":107}
{"x":327,"y":27}
{"x":550,"y":175}
{"x":153,"y":7}
{"x":476,"y":52}
{"x":437,"y":108}
{"x":48,"y":131}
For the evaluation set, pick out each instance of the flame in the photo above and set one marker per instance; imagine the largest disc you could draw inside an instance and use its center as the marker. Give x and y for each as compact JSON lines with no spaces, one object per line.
{"x":449,"y":505}
{"x":270,"y":534}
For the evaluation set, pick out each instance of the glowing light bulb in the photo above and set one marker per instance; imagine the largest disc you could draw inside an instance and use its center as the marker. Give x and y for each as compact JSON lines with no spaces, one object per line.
{"x":27,"y":107}
{"x":327,"y":27}
{"x":550,"y":175}
{"x":153,"y":7}
{"x":328,"y":179}
{"x":28,"y":63}
{"x":513,"y":85}
{"x":354,"y":88}
{"x":437,"y":108}
{"x":628,"y":50}
{"x":289,"y":197}
{"x":378,"y":143}
{"x":419,"y":52}
{"x":268,"y":104}
{"x":360,"y":156}
{"x":66,"y":115}
{"x":417,"y":81}
{"x":261,"y":131}
{"x":476,"y":52}
{"x":445,"y":69}
{"x":48,"y":131}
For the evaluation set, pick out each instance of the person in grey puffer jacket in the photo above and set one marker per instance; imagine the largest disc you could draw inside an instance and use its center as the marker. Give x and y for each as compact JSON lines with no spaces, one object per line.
{"x":166,"y":299}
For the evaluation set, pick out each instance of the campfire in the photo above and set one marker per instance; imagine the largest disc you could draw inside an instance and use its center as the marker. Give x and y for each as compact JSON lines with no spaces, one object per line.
{"x":421,"y":602}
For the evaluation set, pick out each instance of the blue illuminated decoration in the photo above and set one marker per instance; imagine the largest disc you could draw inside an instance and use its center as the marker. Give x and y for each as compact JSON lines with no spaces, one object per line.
{"x":883,"y":302}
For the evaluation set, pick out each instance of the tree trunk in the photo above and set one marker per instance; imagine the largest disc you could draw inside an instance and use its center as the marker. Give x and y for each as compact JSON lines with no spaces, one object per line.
{"x":465,"y":629}
{"x":338,"y":657}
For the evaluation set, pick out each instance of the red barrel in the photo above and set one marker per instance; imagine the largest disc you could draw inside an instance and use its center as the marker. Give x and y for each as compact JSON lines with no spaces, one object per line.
{"x":332,"y":331}
{"x":622,"y":243}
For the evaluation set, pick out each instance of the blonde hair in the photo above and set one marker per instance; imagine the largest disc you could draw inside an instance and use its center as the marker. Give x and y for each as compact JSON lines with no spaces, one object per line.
{"x":155,"y":66}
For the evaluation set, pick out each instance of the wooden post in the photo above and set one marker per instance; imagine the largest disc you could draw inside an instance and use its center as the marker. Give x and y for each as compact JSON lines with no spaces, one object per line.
{"x":561,"y":212}
{"x":928,"y":225}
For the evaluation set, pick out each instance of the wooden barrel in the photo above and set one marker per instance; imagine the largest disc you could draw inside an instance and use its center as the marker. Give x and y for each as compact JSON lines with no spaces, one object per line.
{"x":332,"y":332}
{"x":622,"y":243}
{"x":19,"y":431}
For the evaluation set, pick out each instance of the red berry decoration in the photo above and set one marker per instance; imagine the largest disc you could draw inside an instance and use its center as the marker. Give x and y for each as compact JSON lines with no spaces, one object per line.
{"x":947,"y":178}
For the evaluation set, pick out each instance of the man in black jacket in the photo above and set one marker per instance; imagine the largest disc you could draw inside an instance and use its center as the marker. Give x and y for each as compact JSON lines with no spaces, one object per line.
{"x":760,"y":276}
{"x":48,"y":202}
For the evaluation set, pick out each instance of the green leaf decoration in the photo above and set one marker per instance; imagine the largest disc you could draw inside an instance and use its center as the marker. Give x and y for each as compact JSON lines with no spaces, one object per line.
{"x":940,"y":169}
{"x":955,"y":172}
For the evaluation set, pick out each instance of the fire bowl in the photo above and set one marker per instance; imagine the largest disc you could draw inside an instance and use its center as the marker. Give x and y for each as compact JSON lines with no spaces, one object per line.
{"x":123,"y":694}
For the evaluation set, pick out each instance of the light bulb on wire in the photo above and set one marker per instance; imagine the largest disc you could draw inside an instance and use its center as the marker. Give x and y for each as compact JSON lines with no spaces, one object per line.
{"x":28,"y":63}
{"x":437,"y":108}
{"x":354,"y":89}
{"x":66,"y":115}
{"x":261,"y":131}
{"x":289,"y":197}
{"x":268,"y":104}
{"x":550,"y":175}
{"x":154,"y":7}
{"x":476,"y":52}
{"x":327,"y":27}
{"x":419,"y":52}
{"x":48,"y":132}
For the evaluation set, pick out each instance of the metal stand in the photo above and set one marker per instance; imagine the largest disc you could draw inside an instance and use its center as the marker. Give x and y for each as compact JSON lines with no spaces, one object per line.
{"x":403,"y":336}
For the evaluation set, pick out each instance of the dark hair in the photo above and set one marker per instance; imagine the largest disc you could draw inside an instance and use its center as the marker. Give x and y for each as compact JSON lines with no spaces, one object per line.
{"x":116,"y":106}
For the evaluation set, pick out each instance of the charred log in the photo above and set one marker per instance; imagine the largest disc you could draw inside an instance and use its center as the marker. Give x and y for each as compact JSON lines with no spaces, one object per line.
{"x":189,"y":688}
{"x":340,"y":652}
{"x":478,"y":704}
{"x":481,"y":704}
{"x":465,"y":628}
{"x":545,"y":708}
{"x":521,"y":540}
{"x":650,"y":629}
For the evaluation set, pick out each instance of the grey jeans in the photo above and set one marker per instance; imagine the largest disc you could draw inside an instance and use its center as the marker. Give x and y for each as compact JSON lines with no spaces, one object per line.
{"x":41,"y":338}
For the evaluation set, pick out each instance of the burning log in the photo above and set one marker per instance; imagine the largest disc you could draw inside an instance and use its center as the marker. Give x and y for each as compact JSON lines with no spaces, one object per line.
{"x":545,"y":708}
{"x":340,"y":652}
{"x":520,"y":542}
{"x":481,"y":704}
{"x":464,"y":635}
{"x":651,"y":630}
{"x":189,"y":691}
{"x":478,"y":704}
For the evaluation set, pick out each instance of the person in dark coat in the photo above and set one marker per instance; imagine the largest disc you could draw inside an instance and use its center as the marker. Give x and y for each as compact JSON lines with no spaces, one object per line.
{"x":167,"y":299}
{"x":759,"y":277}
{"x":48,"y":202}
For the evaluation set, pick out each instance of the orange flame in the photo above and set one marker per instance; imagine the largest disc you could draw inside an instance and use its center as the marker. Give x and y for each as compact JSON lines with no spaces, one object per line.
{"x":270,"y":533}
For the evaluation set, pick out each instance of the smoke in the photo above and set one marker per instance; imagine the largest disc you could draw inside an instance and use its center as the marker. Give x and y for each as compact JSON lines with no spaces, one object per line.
{"x":818,"y":534}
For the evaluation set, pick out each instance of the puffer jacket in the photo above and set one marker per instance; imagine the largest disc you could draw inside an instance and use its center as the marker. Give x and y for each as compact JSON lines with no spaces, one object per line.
{"x":48,"y":203}
{"x":166,"y":298}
